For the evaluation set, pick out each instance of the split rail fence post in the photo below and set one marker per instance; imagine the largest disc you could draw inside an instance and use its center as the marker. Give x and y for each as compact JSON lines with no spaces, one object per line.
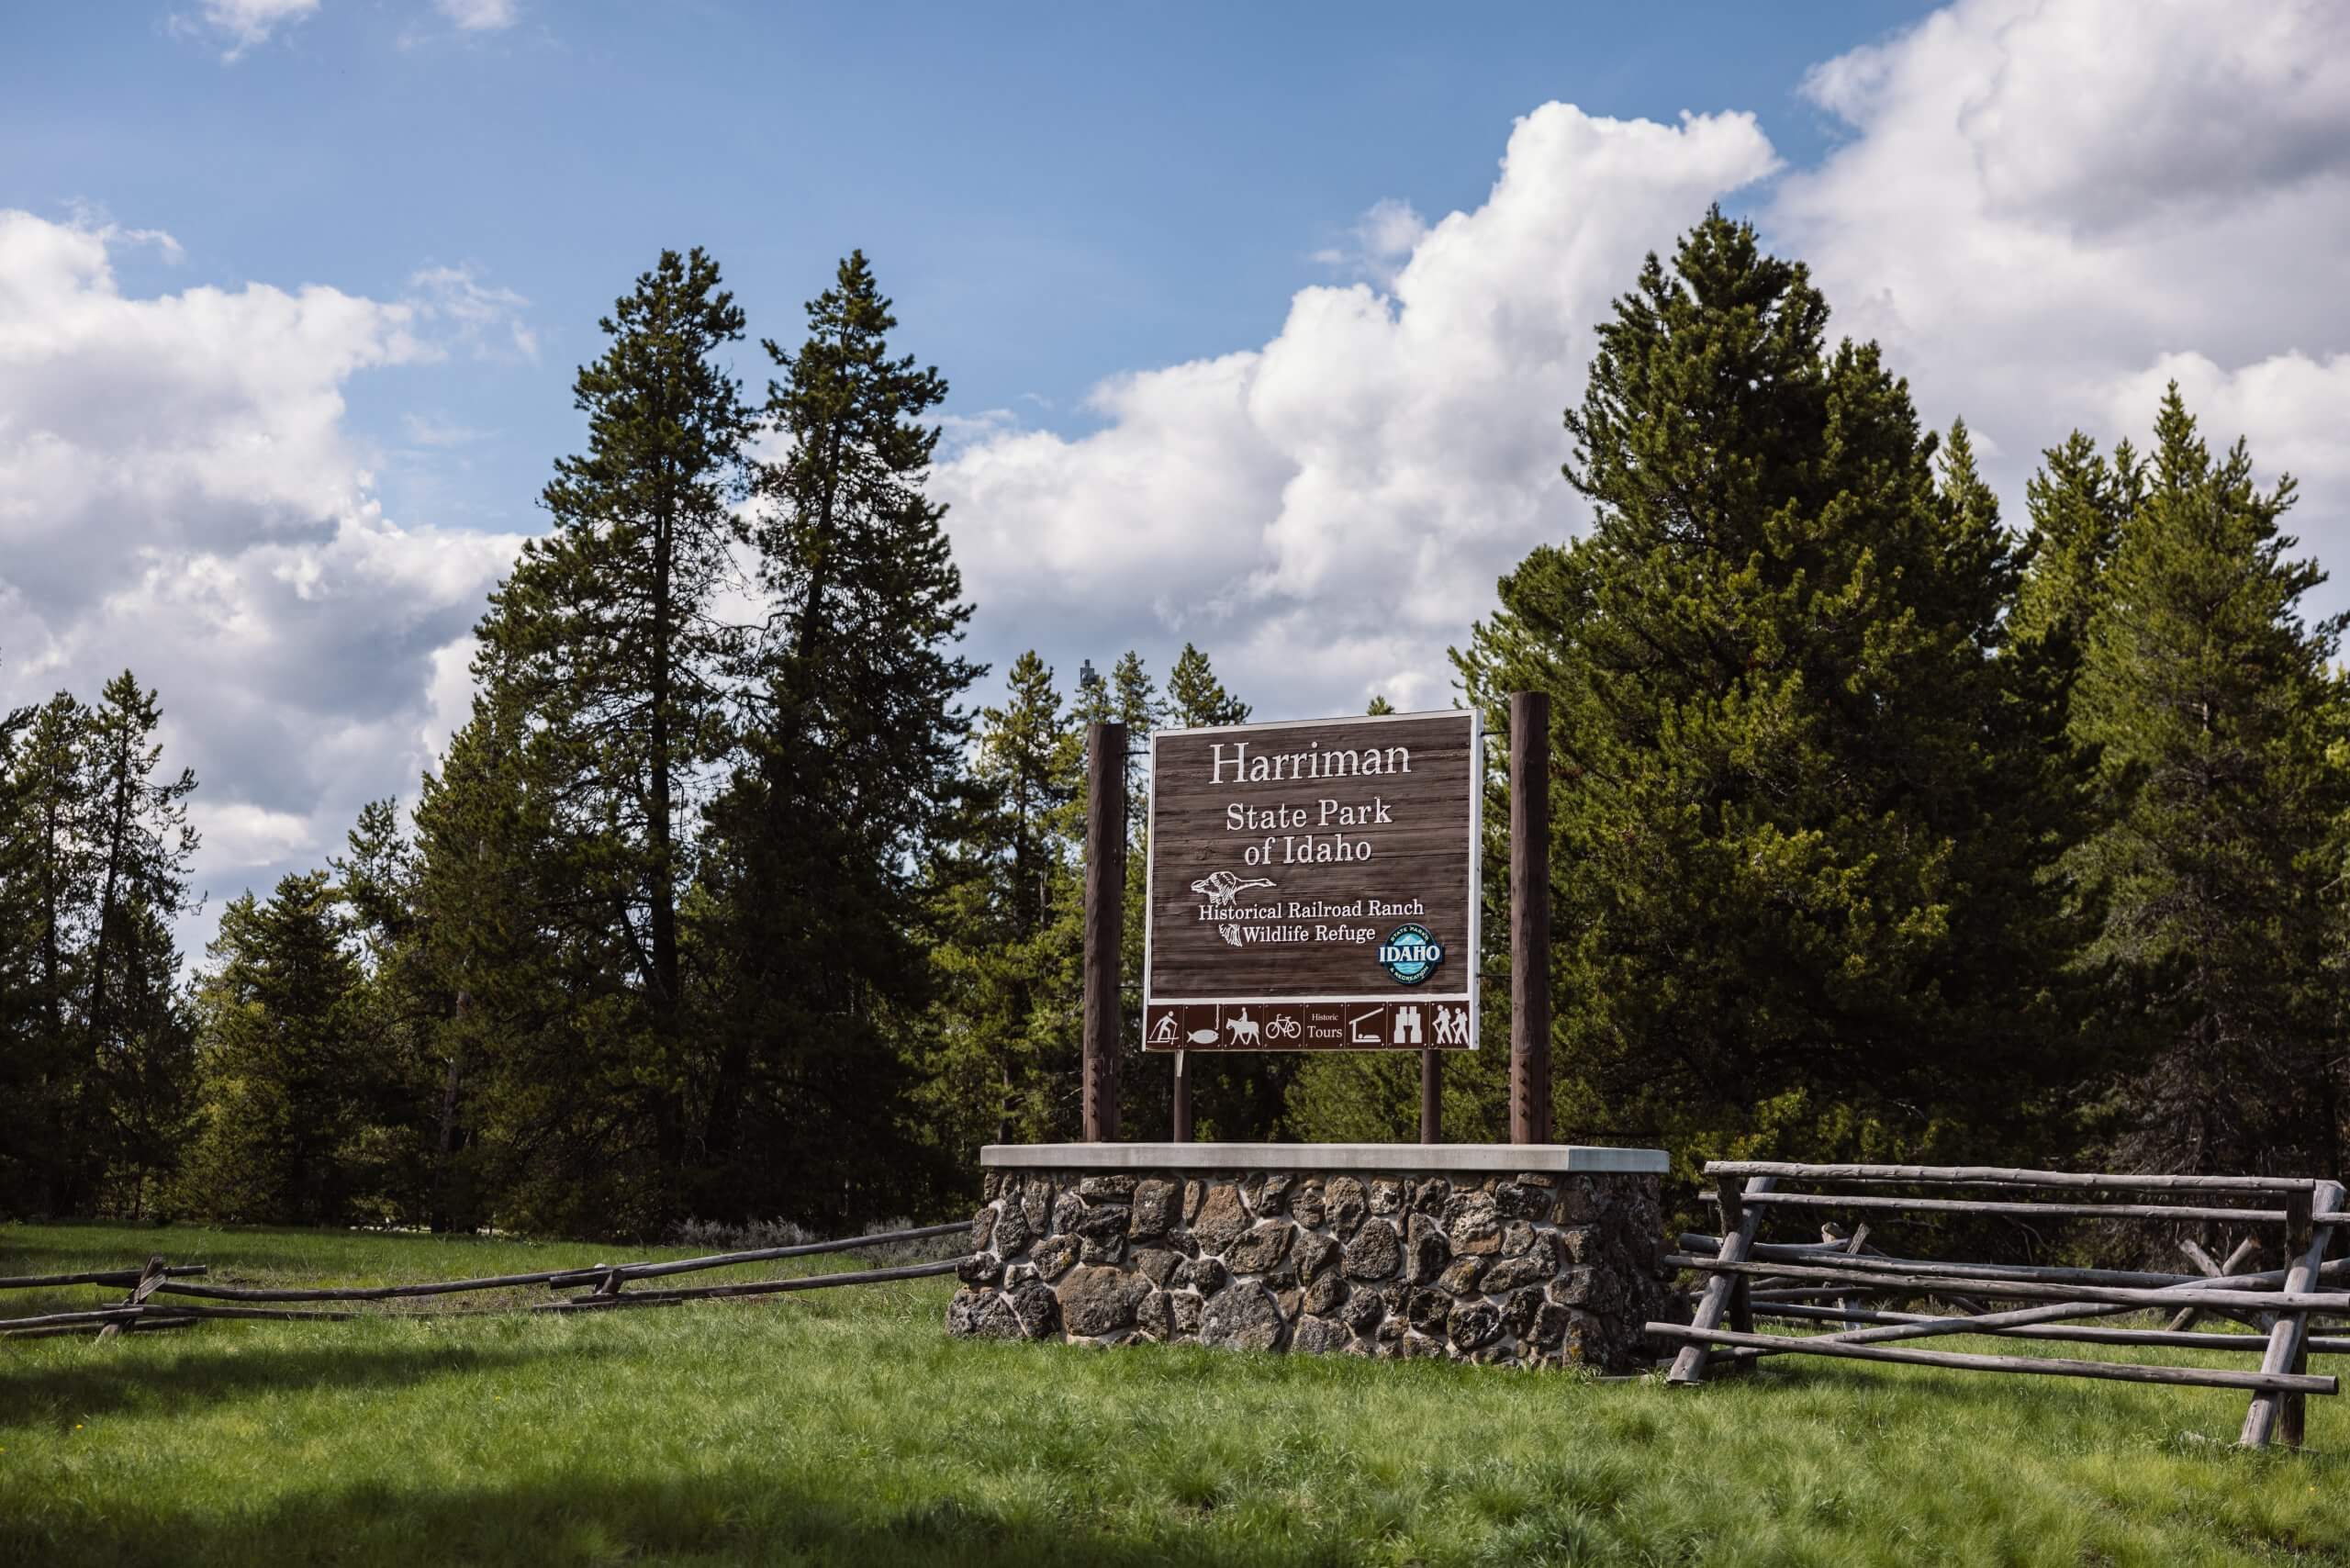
{"x":149,"y":1277}
{"x":2305,"y":1249}
{"x":1529,"y":917}
{"x":1738,"y":1222}
{"x":1105,"y":900}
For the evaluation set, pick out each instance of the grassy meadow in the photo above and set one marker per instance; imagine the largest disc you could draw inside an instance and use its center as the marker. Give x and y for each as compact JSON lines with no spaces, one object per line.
{"x":845,"y":1426}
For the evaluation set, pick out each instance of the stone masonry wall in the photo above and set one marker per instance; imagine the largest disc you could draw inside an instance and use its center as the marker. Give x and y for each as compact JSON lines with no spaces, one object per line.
{"x":1528,"y":1270}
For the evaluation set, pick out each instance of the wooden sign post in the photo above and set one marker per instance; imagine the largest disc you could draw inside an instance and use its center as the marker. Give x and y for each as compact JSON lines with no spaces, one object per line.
{"x":1105,"y":906}
{"x":1529,"y":917}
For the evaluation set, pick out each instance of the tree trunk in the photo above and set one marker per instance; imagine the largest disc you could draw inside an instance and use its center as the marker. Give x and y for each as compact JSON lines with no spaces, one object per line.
{"x":95,"y":1022}
{"x":443,"y":1176}
{"x":669,"y":1131}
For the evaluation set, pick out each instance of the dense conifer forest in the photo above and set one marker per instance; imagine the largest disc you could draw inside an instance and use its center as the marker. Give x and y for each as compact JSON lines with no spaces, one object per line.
{"x":1884,"y":826}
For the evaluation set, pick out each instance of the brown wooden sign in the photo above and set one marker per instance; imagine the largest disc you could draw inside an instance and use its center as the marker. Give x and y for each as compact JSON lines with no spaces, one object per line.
{"x":1312,"y":886}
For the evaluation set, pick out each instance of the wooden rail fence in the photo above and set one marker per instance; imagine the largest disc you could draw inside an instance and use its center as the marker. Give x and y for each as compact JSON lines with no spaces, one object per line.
{"x":605,"y":1288}
{"x":1799,"y":1281}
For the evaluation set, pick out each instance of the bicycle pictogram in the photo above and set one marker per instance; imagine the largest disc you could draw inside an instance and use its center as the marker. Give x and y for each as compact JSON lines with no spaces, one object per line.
{"x":1283,"y":1027}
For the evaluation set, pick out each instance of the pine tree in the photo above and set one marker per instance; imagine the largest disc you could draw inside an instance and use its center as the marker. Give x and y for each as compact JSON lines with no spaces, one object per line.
{"x":406,"y":1014}
{"x":1009,"y":914}
{"x":848,"y":776}
{"x":287,"y":1067}
{"x":541,"y":1042}
{"x":2079,"y":502}
{"x":607,"y":635}
{"x":2212,"y":706}
{"x":46,"y":888}
{"x":24,"y":1068}
{"x":1780,"y":876}
{"x":1195,"y":699}
{"x":135,"y":1045}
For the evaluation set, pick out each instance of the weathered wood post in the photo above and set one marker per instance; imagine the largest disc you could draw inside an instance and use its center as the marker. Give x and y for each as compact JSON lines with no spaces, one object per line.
{"x":2306,"y":1244}
{"x":1432,"y":1096}
{"x":152,"y":1275}
{"x":1529,"y":917}
{"x":1182,"y":1097}
{"x":1105,"y":902}
{"x":1739,"y":1223}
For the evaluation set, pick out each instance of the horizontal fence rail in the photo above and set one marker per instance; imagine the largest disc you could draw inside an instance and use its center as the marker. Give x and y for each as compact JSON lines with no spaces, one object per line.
{"x":2002,"y":1176}
{"x":2116,"y":1372}
{"x":723,"y":1260}
{"x":1826,"y":1282}
{"x":1842,"y":1201}
{"x":1951,"y":1277}
{"x":2073,"y":1333}
{"x":143,"y":1312}
{"x":1822,"y":1260}
{"x":125,"y":1277}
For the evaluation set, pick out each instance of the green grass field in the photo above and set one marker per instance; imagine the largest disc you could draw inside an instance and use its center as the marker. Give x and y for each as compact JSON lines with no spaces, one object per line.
{"x":845,"y":1426}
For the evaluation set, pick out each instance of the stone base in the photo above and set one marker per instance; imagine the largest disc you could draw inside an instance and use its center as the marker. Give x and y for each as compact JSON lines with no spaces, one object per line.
{"x":1510,"y":1266}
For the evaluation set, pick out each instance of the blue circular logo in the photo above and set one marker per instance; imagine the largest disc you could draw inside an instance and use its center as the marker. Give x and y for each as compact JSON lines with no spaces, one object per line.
{"x":1410,"y":955}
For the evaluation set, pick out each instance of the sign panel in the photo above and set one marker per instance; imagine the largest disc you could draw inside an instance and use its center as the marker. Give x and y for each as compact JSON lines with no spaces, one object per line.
{"x":1312,"y":886}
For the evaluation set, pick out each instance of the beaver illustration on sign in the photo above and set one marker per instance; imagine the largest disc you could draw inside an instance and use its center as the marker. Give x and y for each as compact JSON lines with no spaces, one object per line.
{"x":1222,"y":887}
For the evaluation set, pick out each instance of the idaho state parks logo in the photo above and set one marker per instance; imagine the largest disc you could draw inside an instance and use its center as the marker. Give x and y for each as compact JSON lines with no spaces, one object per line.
{"x":1410,"y":955}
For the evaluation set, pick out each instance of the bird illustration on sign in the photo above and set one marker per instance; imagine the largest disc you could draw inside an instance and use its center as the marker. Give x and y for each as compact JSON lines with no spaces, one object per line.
{"x":1220,"y":888}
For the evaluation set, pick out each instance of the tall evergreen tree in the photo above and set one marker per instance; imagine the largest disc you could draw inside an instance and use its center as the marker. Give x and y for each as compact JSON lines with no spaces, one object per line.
{"x":47,"y":890}
{"x":1010,"y":934}
{"x":409,"y":1017}
{"x":287,"y":1067}
{"x":23,"y":1068}
{"x":546,"y":1063}
{"x":2079,"y":502}
{"x":848,"y":776}
{"x":2211,"y":702}
{"x":136,"y":1046}
{"x":607,"y":636}
{"x":1195,"y":698}
{"x":1786,"y":909}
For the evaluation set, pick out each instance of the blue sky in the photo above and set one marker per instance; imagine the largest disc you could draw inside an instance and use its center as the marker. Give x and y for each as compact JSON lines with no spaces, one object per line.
{"x":1051,"y":194}
{"x":1259,"y":319}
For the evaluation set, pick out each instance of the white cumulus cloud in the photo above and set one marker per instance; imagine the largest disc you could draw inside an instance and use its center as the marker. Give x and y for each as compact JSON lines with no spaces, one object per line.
{"x":178,"y":495}
{"x":2047,"y":210}
{"x":1327,"y":512}
{"x":2044,"y":208}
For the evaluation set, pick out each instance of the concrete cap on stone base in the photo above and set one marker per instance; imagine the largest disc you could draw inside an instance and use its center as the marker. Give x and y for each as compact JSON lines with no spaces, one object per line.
{"x":1488,"y":1157}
